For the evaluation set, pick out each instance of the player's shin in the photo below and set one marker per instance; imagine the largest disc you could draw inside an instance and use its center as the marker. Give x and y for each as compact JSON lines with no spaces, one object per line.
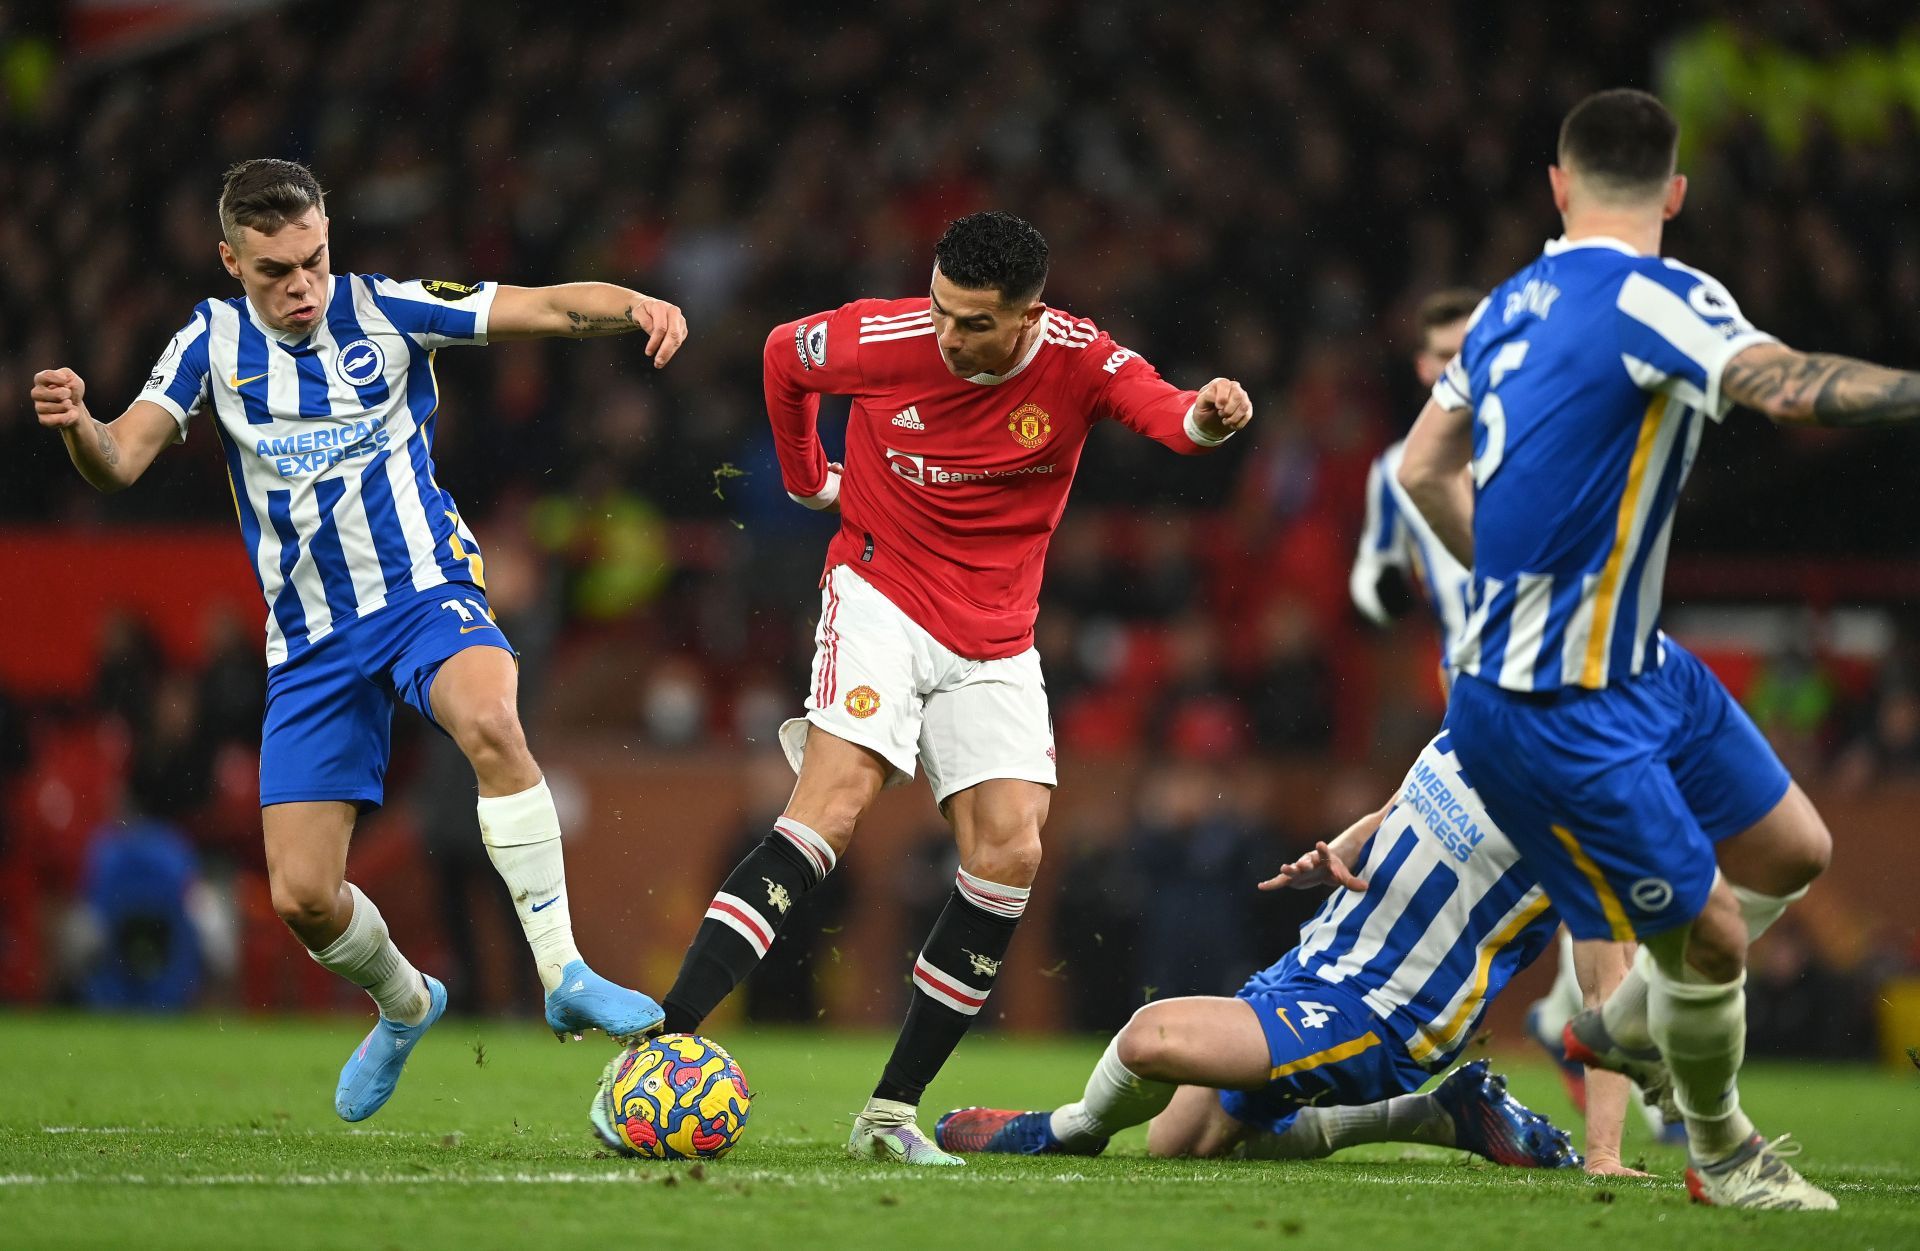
{"x":364,"y":954}
{"x":1116,"y":1098}
{"x":951,"y":980}
{"x":522,"y":835}
{"x":743,"y":919}
{"x":1701,"y":1029}
{"x":1317,"y":1132}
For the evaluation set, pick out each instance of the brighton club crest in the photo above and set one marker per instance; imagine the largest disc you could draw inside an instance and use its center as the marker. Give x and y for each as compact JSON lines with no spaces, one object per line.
{"x":1030,"y":426}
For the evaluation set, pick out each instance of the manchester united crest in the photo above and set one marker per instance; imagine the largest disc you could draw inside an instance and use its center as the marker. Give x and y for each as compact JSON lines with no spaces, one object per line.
{"x":863,"y":701}
{"x":1030,"y":425}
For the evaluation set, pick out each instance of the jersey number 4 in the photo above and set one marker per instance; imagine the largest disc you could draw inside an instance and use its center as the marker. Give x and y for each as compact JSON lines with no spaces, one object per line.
{"x":1493,"y":414}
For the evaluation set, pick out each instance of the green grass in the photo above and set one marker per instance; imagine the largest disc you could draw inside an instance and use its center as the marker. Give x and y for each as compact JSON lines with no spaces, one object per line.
{"x":211,"y":1132}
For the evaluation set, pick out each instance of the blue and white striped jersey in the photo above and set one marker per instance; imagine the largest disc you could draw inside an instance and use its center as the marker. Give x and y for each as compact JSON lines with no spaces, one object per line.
{"x":1591,"y":373}
{"x":329,"y":444}
{"x":1448,"y":917}
{"x":1397,"y":535}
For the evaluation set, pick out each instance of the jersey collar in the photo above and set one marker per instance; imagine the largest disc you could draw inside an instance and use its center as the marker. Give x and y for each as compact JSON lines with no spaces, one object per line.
{"x":1563,"y":244}
{"x":1040,"y":336}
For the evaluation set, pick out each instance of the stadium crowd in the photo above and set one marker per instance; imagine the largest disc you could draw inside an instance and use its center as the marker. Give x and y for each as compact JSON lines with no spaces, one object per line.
{"x":1264,"y":195}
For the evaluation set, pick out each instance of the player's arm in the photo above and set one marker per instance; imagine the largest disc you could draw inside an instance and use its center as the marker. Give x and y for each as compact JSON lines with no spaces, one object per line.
{"x":1599,"y":967}
{"x":111,"y":455}
{"x":1133,"y":393}
{"x":801,"y":361}
{"x":1815,"y":388}
{"x":1435,"y":475}
{"x":587,"y":310}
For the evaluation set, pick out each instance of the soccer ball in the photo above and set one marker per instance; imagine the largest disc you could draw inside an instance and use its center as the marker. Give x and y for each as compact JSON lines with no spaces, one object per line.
{"x":675,"y":1097}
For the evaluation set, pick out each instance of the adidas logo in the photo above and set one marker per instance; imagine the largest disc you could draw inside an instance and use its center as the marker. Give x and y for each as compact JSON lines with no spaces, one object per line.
{"x":400,"y":1044}
{"x":908,"y":418}
{"x":576,"y":987}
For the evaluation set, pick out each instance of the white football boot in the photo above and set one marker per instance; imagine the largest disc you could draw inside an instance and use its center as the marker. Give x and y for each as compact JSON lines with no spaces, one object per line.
{"x":885,"y":1130}
{"x":1757,"y":1176}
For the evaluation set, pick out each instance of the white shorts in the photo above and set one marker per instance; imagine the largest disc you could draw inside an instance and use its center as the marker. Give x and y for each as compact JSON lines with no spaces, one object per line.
{"x":882,"y":682}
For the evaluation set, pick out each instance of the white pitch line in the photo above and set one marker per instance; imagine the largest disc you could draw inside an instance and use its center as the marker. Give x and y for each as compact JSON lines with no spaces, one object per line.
{"x":722,"y":1173}
{"x":232,"y":1130}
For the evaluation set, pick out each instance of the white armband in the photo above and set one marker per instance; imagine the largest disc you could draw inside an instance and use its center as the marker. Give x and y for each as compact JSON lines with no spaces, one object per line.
{"x":1200,"y":436}
{"x":827,"y":496}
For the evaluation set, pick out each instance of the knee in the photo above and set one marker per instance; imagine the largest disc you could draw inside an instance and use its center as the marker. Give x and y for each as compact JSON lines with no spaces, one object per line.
{"x":491,"y":731}
{"x":1150,"y":1045}
{"x":1011,"y":859}
{"x":307,"y":906}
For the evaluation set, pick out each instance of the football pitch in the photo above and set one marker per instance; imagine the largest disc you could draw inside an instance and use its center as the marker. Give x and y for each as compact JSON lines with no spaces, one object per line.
{"x":219,"y":1132}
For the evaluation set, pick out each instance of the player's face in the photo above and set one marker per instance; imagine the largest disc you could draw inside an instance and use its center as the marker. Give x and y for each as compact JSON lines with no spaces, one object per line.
{"x":978,"y":331}
{"x":284,"y":274}
{"x":1441,"y":344}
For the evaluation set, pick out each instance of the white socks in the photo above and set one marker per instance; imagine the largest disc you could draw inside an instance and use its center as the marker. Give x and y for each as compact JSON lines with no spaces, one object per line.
{"x":1116,"y":1099}
{"x":522,"y":834}
{"x":1701,"y":1029}
{"x":1318,"y":1132}
{"x":1625,"y":1011}
{"x":364,"y":954}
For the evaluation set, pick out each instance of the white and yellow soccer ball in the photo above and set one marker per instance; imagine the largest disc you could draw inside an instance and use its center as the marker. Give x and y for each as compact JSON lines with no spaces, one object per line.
{"x":675,"y":1097}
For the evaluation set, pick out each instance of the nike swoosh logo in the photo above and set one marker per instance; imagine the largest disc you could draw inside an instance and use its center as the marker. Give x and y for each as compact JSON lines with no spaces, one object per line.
{"x":239,"y":382}
{"x":550,"y":902}
{"x":470,"y":629}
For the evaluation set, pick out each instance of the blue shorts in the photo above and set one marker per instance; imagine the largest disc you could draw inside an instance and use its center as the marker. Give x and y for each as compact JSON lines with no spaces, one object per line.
{"x":329,"y":723}
{"x":1616,"y":797}
{"x":1326,"y":1047}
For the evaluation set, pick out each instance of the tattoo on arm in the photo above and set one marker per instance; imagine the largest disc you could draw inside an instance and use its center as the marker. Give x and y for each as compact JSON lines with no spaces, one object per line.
{"x":594,"y":325}
{"x":109,"y":450}
{"x":1820,"y":388}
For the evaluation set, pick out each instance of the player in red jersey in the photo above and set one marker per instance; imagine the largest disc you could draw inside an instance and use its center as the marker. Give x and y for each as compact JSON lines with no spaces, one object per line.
{"x":970,"y":407}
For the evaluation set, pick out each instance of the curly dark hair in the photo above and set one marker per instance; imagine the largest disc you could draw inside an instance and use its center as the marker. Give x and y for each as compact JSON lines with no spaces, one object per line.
{"x":994,"y":250}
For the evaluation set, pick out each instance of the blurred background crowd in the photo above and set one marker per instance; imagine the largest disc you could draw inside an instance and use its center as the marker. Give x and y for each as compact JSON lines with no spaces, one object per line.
{"x":1266,"y":194}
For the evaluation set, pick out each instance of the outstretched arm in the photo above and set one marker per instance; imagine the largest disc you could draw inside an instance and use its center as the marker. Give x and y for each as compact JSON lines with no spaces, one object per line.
{"x":1331,"y":863}
{"x":109,"y":455}
{"x":1814,"y":388}
{"x":1435,"y":474}
{"x":587,"y":310}
{"x":1599,"y":967}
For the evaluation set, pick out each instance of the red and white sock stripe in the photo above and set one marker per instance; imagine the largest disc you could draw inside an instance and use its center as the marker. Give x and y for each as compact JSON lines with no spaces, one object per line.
{"x":991,"y":897}
{"x":743,"y":919}
{"x":945,"y":989}
{"x":810,"y":845}
{"x":827,"y":682}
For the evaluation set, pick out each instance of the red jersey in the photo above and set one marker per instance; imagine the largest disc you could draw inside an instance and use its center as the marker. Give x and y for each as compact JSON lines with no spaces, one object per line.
{"x":953,"y":486}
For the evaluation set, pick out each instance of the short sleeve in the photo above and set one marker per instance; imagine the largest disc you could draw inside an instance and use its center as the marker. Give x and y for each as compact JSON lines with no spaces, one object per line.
{"x":1453,"y":389}
{"x":178,"y":380}
{"x":438,"y":312}
{"x":1678,"y":328}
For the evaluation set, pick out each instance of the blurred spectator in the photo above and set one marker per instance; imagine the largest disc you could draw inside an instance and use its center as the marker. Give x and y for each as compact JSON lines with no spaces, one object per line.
{"x":1197,"y":858}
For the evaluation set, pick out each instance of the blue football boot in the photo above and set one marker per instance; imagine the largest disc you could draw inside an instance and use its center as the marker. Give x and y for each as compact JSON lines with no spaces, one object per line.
{"x":1006,"y":1132}
{"x":1492,"y":1123}
{"x":371,"y":1072}
{"x":584,"y":1000}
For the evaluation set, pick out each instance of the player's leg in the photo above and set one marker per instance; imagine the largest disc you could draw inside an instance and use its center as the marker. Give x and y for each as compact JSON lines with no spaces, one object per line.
{"x":838,"y":782}
{"x":1769,"y":840}
{"x":997,"y":826}
{"x":472,"y":694}
{"x":1199,"y":1041}
{"x":858,"y":736}
{"x":323,"y":754}
{"x":306,"y":845}
{"x":1548,"y":1016}
{"x":986,"y":743}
